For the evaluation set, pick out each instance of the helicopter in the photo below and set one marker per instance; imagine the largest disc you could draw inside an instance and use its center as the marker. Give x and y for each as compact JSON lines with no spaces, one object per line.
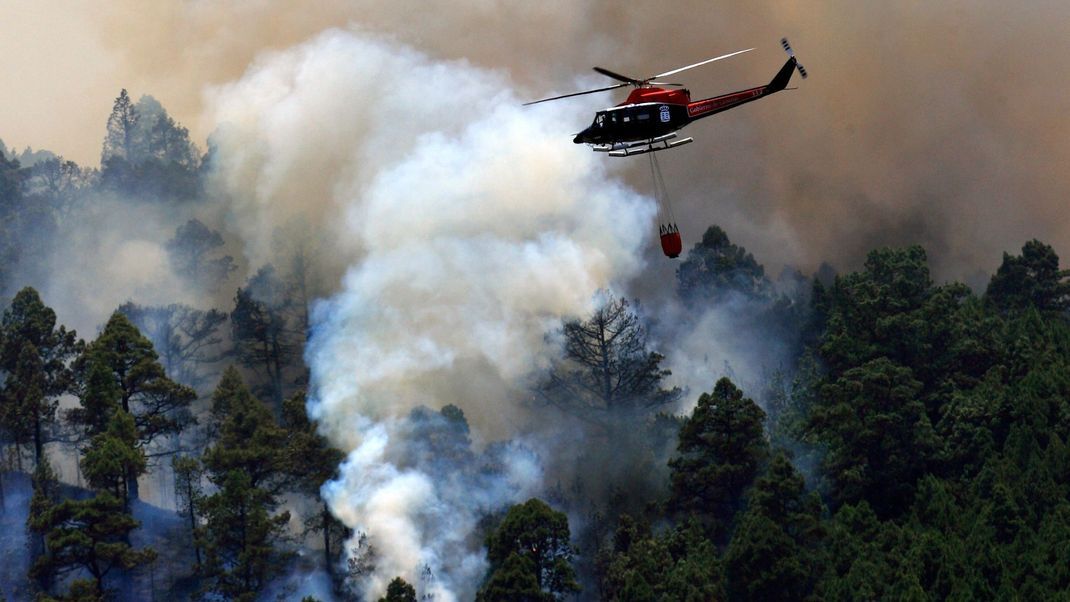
{"x":650,"y":119}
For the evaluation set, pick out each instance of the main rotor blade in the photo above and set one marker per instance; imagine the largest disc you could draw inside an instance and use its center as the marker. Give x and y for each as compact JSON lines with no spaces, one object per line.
{"x":675,"y":71}
{"x":613,"y":87}
{"x":618,"y":76}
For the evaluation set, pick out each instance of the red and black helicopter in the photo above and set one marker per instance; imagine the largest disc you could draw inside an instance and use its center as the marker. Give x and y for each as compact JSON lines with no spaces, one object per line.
{"x":652,"y":115}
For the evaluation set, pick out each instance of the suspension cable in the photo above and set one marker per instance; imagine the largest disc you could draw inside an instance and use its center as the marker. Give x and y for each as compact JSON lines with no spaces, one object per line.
{"x":661,"y":191}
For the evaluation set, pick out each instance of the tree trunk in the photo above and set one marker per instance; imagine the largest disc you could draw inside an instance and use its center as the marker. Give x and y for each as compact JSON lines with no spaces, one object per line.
{"x":603,"y":347}
{"x":193,"y":522}
{"x":326,"y":516}
{"x":38,"y":441}
{"x":246,"y":566}
{"x":132,"y":492}
{"x":37,"y":549}
{"x":276,"y":385}
{"x":97,"y":574}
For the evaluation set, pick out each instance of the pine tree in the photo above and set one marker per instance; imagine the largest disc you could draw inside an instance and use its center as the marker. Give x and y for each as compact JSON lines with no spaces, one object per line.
{"x":147,"y":154}
{"x":99,"y":396}
{"x":773,"y":553}
{"x":45,"y":496}
{"x":185,"y":338}
{"x":677,"y":564}
{"x":245,"y":464}
{"x":1032,"y":279}
{"x":610,"y":374}
{"x":188,"y":494}
{"x":299,"y":247}
{"x":764,"y":563}
{"x":113,"y":458}
{"x":715,"y":268}
{"x":158,"y":137}
{"x":89,"y":535}
{"x":721,"y":448}
{"x":311,"y":461}
{"x":119,"y":141}
{"x":261,"y":328}
{"x":12,"y":184}
{"x":878,"y":435}
{"x":34,"y":355}
{"x":61,"y":184}
{"x":25,"y":409}
{"x":159,"y":406}
{"x":238,"y":537}
{"x":190,"y":253}
{"x":514,"y":579}
{"x":11,"y":194}
{"x":530,"y":546}
{"x":399,"y":591}
{"x":892,"y":310}
{"x":247,"y":438}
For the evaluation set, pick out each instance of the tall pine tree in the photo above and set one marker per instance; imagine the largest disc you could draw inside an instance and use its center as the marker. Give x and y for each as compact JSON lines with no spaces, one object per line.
{"x":88,"y":535}
{"x":530,"y":556}
{"x":34,"y":353}
{"x":721,"y":448}
{"x":263,"y":333}
{"x":311,"y":461}
{"x":158,"y":405}
{"x":246,"y":466}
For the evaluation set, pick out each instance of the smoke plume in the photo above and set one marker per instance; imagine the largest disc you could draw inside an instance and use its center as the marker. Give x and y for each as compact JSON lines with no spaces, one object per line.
{"x":471,"y":227}
{"x":930,"y":123}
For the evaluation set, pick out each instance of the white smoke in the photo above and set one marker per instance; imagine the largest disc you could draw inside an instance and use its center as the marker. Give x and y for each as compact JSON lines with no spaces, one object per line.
{"x":471,"y":226}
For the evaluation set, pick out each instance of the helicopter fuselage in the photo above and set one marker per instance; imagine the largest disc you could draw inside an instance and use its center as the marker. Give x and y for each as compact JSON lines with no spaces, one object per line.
{"x":651,"y":112}
{"x":632,"y":122}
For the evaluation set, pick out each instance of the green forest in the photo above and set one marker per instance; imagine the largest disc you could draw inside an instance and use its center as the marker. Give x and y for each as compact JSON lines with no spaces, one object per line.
{"x":910,"y":443}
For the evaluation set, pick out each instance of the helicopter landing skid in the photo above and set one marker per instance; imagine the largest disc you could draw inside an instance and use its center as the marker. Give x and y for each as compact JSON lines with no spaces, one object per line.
{"x":650,"y":146}
{"x":617,"y":146}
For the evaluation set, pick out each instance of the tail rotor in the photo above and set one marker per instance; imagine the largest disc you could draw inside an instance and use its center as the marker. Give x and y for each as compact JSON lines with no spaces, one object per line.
{"x":791,"y":53}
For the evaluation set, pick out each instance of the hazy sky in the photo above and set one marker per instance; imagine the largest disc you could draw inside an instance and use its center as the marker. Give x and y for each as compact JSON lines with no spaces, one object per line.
{"x":938,"y":123}
{"x":58,"y":81}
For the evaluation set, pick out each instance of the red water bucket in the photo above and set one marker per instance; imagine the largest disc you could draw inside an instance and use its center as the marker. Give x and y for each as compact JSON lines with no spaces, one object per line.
{"x":671,"y":243}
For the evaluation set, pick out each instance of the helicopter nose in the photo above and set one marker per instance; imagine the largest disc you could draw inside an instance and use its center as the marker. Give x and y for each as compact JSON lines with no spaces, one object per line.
{"x":580,"y":137}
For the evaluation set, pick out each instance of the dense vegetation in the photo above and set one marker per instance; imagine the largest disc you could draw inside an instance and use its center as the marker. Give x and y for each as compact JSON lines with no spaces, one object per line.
{"x":936,"y":422}
{"x":913,"y":445}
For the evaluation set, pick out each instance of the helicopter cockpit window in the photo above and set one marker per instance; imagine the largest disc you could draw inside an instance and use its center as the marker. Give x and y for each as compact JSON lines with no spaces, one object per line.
{"x":600,"y":120}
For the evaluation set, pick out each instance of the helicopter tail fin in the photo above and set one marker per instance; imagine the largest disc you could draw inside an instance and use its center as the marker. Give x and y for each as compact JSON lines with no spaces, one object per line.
{"x":780,"y":81}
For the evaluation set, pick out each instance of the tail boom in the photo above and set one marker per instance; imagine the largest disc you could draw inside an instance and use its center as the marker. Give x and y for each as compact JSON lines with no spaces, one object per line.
{"x":716,"y":104}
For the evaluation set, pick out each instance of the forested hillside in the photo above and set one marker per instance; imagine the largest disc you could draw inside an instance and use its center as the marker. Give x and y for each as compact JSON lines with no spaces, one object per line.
{"x":932,"y":424}
{"x":894,"y":438}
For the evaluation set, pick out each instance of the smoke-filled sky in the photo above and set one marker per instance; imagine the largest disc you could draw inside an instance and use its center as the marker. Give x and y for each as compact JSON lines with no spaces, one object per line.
{"x":940,"y":123}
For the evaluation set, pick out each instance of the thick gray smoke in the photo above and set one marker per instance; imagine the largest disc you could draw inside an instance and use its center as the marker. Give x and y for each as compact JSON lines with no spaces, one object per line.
{"x":471,"y":227}
{"x":113,"y":251}
{"x":930,"y":123}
